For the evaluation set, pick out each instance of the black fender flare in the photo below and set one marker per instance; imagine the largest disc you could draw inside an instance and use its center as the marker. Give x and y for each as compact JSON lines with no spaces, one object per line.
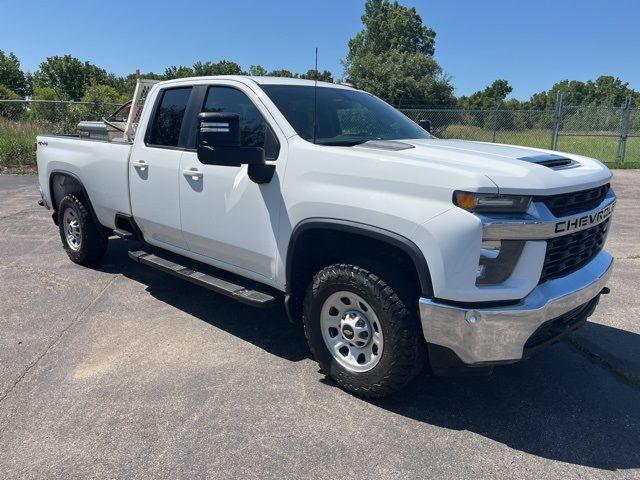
{"x":370,"y":231}
{"x":83,"y":191}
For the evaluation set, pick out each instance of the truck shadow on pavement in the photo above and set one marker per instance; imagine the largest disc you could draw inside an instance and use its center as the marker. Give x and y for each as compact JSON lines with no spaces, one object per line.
{"x":558,"y":405}
{"x":267,"y":329}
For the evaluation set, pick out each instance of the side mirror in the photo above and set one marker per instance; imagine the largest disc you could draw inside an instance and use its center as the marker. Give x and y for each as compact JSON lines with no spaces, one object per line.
{"x":426,"y":124}
{"x":218,"y":143}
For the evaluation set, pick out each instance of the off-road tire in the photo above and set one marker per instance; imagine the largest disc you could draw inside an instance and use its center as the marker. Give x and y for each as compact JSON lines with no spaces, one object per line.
{"x":93,"y":241}
{"x":404,"y":352}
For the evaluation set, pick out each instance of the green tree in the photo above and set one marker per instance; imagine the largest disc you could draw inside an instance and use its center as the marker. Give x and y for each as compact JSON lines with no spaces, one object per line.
{"x":257,"y":71}
{"x":391,"y":26}
{"x":11,"y":110}
{"x":203,"y":69}
{"x":51,"y":110}
{"x":574,"y":91}
{"x":102,"y":100}
{"x":126,"y":85}
{"x":69,"y":77}
{"x":282,"y":73}
{"x":177,"y":72}
{"x":99,"y":76}
{"x":608,"y":90}
{"x":392,"y":56}
{"x":223,"y":67}
{"x":28,"y":77}
{"x":539,"y":101}
{"x":324,"y":76}
{"x":605,"y":90}
{"x":491,"y":97}
{"x":10,"y":74}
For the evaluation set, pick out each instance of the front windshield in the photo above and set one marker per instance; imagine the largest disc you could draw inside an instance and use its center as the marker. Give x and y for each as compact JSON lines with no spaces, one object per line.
{"x":344,"y":116}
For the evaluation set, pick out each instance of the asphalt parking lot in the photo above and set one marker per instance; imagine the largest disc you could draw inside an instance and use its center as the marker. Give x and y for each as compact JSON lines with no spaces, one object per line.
{"x":123,"y":372}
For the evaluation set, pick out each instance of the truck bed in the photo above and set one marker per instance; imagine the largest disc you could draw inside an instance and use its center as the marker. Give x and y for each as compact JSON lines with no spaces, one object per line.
{"x":100,"y":165}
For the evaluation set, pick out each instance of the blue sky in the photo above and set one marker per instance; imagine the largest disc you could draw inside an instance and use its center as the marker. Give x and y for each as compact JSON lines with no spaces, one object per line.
{"x":530,"y":43}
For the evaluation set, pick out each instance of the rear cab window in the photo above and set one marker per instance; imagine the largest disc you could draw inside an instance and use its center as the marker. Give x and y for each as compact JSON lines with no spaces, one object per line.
{"x":168,"y":115}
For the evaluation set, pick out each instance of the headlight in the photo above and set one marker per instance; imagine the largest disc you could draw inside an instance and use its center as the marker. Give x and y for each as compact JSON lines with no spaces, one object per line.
{"x":497,"y":261}
{"x":491,"y":202}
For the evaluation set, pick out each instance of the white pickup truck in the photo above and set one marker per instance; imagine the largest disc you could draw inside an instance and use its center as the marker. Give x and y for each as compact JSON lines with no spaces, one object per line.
{"x":390,"y":246}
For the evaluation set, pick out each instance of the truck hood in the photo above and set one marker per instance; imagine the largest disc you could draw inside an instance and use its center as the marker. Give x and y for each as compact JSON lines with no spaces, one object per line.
{"x":513,"y":169}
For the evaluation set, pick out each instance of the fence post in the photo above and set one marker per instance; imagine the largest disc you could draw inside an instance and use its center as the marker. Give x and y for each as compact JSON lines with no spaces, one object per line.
{"x":495,"y":122}
{"x":624,"y":130}
{"x":557,"y":121}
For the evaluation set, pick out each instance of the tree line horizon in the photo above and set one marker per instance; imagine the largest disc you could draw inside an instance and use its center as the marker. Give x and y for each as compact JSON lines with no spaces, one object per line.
{"x":391,"y":57}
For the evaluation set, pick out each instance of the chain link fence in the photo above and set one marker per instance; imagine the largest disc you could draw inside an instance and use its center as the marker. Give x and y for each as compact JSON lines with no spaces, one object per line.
{"x":614,"y":133}
{"x":530,"y":128}
{"x":610,"y":134}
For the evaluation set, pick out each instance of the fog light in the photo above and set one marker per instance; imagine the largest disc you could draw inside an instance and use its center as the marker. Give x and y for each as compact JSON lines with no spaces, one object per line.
{"x":497,"y":261}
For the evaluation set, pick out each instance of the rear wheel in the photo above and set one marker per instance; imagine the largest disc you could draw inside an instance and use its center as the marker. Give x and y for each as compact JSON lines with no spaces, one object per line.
{"x":82,"y":237}
{"x":363,"y":333}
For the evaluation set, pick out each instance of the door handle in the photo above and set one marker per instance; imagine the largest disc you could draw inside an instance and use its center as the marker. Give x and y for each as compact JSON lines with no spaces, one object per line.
{"x":194,"y":173}
{"x":141,"y":165}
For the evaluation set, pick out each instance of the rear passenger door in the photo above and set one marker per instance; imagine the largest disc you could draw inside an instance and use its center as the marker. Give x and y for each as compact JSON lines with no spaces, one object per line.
{"x":226,"y":217}
{"x":154,"y":170}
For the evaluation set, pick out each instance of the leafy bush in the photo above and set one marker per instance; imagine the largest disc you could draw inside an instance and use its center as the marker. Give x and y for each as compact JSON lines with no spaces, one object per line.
{"x":102,"y":100}
{"x":50,"y":111}
{"x":10,"y":110}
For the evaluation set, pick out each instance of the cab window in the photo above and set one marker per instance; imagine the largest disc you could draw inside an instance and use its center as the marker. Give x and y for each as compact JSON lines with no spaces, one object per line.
{"x":167,"y":120}
{"x":254,"y":130}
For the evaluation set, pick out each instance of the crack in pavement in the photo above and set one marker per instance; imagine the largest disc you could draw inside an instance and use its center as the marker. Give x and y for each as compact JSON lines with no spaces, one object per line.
{"x":57,"y":339}
{"x":606,"y":361}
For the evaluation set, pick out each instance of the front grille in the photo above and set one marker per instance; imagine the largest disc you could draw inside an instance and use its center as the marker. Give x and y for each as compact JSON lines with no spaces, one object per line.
{"x":573,"y":203}
{"x":571,"y":252}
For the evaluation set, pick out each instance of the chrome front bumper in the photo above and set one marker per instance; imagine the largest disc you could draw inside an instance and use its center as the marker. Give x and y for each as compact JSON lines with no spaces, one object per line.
{"x":494,"y":335}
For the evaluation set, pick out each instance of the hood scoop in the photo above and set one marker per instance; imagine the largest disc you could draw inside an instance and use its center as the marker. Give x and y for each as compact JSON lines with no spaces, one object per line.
{"x":392,"y":145}
{"x":555,"y":162}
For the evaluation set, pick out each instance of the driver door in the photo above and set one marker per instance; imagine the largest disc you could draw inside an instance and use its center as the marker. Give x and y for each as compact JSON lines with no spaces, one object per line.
{"x":225,"y":216}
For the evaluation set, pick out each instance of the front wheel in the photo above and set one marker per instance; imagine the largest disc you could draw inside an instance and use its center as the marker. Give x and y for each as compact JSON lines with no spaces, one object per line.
{"x":82,"y":237}
{"x":363,"y":333}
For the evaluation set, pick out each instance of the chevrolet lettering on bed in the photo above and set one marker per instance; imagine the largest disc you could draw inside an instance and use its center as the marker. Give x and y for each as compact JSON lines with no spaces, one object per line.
{"x":391,"y":246}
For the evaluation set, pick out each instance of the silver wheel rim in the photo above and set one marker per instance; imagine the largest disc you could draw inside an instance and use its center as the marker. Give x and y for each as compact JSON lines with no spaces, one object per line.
{"x":72,"y":231}
{"x":351,"y":331}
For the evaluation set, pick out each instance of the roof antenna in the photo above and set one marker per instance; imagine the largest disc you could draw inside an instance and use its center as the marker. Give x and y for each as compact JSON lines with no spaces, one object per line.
{"x":315,"y":100}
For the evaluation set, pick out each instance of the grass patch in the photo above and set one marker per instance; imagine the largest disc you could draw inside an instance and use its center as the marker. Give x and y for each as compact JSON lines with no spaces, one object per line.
{"x":597,"y":146}
{"x":16,"y":143}
{"x":623,"y":166}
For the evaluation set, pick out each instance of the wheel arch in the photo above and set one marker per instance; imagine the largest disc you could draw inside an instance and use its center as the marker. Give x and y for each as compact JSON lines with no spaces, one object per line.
{"x":70,"y":183}
{"x":302,"y":248}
